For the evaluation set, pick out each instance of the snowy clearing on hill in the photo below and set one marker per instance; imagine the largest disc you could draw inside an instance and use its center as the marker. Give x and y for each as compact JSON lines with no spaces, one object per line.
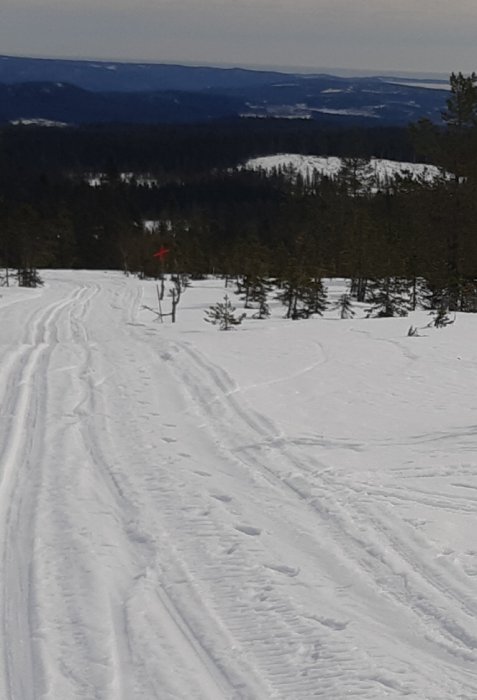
{"x":379,"y":168}
{"x":286,"y":510}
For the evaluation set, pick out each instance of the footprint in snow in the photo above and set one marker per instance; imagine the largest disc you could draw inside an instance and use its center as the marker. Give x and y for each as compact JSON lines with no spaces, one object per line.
{"x":247,"y":530}
{"x":282,"y":569}
{"x":221,"y":497}
{"x":336,"y":625}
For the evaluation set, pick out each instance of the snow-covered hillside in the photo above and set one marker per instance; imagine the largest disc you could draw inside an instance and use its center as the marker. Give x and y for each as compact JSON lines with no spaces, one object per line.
{"x":379,"y":168}
{"x":286,"y":510}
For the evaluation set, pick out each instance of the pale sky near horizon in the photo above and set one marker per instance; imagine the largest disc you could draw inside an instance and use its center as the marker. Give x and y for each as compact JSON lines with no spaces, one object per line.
{"x":391,"y":35}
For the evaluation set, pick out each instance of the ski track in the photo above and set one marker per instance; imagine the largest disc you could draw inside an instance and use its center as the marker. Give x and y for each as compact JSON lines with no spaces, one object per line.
{"x":190,"y":548}
{"x":23,"y":403}
{"x":368,"y":538}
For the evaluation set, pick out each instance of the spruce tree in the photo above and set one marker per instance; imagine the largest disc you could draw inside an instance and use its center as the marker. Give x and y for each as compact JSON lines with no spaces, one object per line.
{"x":344,"y":305}
{"x":461,"y":111}
{"x":356,"y":176}
{"x":303,"y":296}
{"x":389,"y":296}
{"x":314,"y":296}
{"x":259,"y":295}
{"x":29,"y":277}
{"x":468,"y":299}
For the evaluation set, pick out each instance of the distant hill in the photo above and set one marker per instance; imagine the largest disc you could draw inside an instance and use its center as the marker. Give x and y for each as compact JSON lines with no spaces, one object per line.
{"x":43,"y":103}
{"x":103,"y":76}
{"x":90,"y":91}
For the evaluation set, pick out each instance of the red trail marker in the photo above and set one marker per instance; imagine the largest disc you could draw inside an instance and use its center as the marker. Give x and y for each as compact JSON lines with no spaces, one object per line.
{"x":161,"y":253}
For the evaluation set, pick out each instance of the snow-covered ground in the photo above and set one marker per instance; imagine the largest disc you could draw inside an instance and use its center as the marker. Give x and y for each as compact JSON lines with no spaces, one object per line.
{"x":286,"y":510}
{"x":98,"y":179}
{"x":37,"y":122}
{"x":380,"y":169}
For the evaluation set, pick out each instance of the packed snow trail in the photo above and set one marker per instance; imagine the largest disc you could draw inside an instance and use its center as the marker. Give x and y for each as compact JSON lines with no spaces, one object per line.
{"x":282,"y":512}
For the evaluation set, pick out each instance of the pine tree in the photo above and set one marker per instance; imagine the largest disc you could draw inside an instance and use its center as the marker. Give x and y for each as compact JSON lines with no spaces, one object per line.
{"x":303,"y":296}
{"x":389,"y":297}
{"x":468,"y":297}
{"x":460,"y":295}
{"x":223,"y":315}
{"x":356,"y":176}
{"x":358,"y":288}
{"x":29,"y":277}
{"x":288,"y":296}
{"x":244,"y":289}
{"x":344,"y":305}
{"x":259,"y":295}
{"x":461,"y":109}
{"x":254,"y":289}
{"x":314,"y":297}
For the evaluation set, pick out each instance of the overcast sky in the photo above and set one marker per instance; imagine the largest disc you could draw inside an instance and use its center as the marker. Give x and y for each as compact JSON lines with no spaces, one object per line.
{"x":380,"y":35}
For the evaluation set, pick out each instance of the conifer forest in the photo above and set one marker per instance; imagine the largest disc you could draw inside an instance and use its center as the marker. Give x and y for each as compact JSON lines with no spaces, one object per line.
{"x":106,"y":196}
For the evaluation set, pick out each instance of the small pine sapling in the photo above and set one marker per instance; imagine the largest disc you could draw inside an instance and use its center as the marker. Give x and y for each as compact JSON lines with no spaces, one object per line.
{"x":223,"y":315}
{"x":441,"y":317}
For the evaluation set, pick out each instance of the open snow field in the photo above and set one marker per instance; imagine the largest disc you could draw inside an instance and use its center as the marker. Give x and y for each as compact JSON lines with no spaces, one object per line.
{"x":284,"y":511}
{"x":379,"y":169}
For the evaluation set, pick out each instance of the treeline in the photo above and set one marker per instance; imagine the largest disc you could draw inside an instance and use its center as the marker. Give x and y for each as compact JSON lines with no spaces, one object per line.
{"x":218,"y":219}
{"x":166,"y":151}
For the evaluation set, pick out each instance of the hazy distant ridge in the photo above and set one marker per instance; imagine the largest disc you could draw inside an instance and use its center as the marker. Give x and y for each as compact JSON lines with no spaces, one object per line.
{"x":129,"y":77}
{"x":92,"y":91}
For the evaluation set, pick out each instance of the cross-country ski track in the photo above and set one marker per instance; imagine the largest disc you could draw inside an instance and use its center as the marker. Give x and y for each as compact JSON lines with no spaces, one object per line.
{"x":284,"y":511}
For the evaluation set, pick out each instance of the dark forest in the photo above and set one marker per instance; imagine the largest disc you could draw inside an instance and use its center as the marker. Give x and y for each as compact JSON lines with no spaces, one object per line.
{"x":218,"y":218}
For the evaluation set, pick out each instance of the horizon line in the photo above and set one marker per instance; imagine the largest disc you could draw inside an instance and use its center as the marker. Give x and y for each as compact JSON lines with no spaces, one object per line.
{"x":335,"y":71}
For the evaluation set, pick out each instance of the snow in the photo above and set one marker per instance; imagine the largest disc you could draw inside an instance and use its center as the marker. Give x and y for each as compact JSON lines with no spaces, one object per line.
{"x":380,"y":169}
{"x":428,"y":85}
{"x":307,"y":165}
{"x":349,"y":112}
{"x":98,"y":179}
{"x":286,"y":510}
{"x":38,"y":122}
{"x":153,"y":225}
